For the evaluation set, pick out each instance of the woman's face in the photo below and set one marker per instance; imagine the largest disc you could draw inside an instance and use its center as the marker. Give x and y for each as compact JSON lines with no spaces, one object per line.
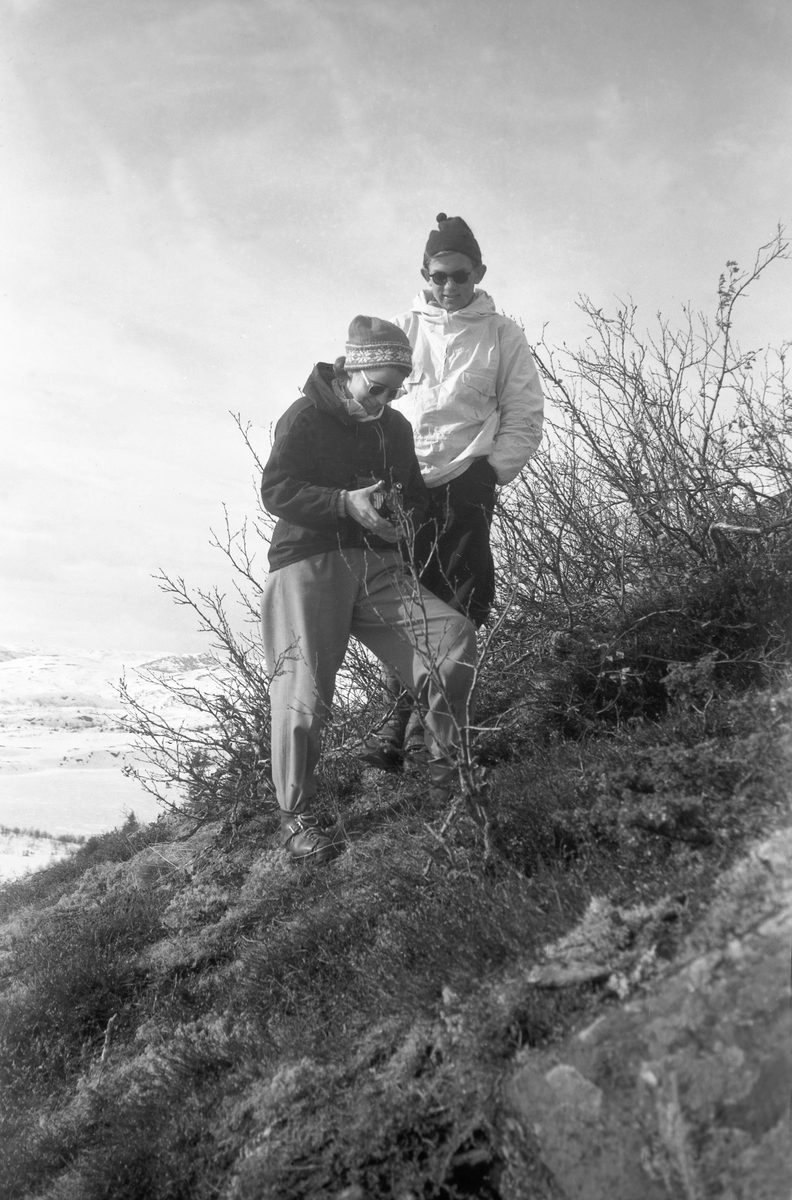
{"x":375,"y":387}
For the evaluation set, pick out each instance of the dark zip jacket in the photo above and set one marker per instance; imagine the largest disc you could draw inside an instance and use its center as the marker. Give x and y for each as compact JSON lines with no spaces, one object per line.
{"x":319,"y":450}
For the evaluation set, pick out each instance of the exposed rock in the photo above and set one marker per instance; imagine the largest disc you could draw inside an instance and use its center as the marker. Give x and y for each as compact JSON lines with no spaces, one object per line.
{"x":682,"y":1094}
{"x":610,"y":943}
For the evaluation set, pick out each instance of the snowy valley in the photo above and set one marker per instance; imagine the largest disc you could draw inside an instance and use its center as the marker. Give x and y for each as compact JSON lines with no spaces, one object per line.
{"x":63,"y":748}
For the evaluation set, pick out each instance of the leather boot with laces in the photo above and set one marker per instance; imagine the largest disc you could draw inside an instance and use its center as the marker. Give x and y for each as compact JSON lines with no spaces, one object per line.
{"x":416,"y":755}
{"x":384,"y":749}
{"x":306,"y":841}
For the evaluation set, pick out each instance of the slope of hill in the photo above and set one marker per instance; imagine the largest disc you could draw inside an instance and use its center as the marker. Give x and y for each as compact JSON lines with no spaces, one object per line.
{"x":597,"y":1013}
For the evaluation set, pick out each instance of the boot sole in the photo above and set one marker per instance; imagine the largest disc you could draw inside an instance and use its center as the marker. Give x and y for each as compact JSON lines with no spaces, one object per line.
{"x":317,"y":859}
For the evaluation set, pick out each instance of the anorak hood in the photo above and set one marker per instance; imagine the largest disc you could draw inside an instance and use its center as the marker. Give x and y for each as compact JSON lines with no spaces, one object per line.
{"x":482,"y":305}
{"x":319,"y":389}
{"x":318,"y":453}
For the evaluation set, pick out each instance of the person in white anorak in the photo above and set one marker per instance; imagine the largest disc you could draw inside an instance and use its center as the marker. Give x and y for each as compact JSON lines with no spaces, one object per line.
{"x":475,"y":403}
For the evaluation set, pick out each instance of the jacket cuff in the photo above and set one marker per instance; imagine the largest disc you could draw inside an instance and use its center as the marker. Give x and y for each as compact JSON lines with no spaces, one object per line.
{"x":340,"y":505}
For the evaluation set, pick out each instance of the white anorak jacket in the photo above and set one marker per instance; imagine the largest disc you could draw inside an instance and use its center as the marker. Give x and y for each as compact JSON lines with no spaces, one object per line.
{"x":474,"y":391}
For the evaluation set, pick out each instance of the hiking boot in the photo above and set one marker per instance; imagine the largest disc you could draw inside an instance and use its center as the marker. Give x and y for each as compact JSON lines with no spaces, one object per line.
{"x":306,"y":841}
{"x":416,"y":755}
{"x":442,"y":777}
{"x":382,"y":754}
{"x":415,"y":737}
{"x":383,"y":749}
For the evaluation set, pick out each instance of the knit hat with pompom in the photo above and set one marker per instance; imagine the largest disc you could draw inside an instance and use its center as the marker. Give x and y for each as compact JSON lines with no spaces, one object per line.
{"x":452,"y":236}
{"x":373,"y":342}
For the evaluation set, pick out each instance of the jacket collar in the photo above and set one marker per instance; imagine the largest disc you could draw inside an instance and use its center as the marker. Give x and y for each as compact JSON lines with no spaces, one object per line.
{"x":318,"y":388}
{"x":482,"y":305}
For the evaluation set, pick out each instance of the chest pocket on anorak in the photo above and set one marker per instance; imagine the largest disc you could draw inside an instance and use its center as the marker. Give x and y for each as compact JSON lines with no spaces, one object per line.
{"x":473,"y":394}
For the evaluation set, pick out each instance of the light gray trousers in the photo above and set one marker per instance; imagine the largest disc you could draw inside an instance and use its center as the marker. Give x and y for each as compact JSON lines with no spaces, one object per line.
{"x":310,"y":609}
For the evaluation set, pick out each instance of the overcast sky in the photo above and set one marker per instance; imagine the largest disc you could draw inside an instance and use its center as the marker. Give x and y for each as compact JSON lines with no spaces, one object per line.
{"x":196,"y":198}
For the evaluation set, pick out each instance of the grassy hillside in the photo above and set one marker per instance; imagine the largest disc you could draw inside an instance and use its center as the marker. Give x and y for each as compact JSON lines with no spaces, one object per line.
{"x":186,"y":1015}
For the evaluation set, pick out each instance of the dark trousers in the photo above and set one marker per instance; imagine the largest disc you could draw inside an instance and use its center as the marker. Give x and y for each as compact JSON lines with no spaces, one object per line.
{"x":453,"y":549}
{"x":454,"y":561}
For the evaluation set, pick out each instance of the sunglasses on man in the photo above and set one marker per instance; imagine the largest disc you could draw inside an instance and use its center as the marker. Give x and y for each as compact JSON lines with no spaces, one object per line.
{"x":440,"y":279}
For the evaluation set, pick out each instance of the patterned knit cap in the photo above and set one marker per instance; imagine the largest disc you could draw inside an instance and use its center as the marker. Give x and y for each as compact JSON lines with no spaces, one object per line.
{"x":373,"y":342}
{"x":452,"y":236}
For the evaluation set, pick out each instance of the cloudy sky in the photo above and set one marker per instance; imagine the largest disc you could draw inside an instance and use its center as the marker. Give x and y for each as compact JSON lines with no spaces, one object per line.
{"x":196,"y":197}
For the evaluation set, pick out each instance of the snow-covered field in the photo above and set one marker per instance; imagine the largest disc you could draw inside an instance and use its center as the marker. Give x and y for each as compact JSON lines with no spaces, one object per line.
{"x":24,"y":852}
{"x":62,"y":749}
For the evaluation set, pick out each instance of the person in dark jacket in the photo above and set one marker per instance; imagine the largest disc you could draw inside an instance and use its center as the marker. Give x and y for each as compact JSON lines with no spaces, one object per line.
{"x":337,"y":570}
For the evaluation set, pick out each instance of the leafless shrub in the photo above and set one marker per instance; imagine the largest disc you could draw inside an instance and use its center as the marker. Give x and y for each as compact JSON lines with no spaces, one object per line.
{"x":659,"y":439}
{"x":662,"y":491}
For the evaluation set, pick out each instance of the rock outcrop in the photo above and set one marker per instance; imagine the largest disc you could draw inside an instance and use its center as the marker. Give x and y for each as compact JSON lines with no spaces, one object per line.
{"x":681,"y":1093}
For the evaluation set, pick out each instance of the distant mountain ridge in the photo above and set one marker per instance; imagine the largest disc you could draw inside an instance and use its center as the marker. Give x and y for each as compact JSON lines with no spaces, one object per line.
{"x":172,"y":664}
{"x":63,"y":743}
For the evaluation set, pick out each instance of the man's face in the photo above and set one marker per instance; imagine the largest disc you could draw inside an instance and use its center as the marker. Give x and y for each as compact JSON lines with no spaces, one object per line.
{"x":448,"y":293}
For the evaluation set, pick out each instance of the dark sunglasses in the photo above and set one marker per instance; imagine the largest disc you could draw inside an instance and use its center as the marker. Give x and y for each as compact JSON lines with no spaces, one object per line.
{"x":377,"y":389}
{"x":440,"y":278}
